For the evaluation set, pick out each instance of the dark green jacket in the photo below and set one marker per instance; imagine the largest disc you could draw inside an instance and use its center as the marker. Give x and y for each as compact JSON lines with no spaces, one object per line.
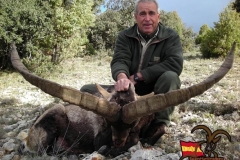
{"x":163,"y":54}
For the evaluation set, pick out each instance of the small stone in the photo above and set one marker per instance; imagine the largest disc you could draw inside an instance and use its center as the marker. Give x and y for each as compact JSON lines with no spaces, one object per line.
{"x":10,"y":127}
{"x":173,"y":156}
{"x":147,"y":154}
{"x":135,"y":147}
{"x":9,"y":147}
{"x":172,"y":123}
{"x":19,"y":115}
{"x":8,"y":157}
{"x":94,"y":156}
{"x":11,"y":134}
{"x":53,"y":158}
{"x":72,"y":157}
{"x":227,"y":117}
{"x":16,"y":157}
{"x":64,"y":158}
{"x":235,"y":116}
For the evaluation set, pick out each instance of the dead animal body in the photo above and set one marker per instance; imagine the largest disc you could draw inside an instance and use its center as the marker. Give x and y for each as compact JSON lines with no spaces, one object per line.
{"x":109,"y":122}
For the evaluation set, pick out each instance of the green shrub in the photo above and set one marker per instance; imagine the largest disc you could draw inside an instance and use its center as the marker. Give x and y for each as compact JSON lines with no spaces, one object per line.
{"x":90,"y":49}
{"x":236,"y":5}
{"x":203,"y":30}
{"x":217,"y":41}
{"x":24,"y":22}
{"x":37,"y":26}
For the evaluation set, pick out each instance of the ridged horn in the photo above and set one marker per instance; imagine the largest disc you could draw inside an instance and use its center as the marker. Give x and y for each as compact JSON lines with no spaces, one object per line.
{"x":145,"y":96}
{"x":156,"y":103}
{"x":98,"y":105}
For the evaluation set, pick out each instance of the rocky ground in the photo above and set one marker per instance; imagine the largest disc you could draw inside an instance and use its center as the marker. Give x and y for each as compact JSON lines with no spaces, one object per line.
{"x":217,"y":108}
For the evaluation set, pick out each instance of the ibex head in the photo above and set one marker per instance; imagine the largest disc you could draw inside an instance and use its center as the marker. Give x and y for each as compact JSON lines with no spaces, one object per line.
{"x":120,"y":130}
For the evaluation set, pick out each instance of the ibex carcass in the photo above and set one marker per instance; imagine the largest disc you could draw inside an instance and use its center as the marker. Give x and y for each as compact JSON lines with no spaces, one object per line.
{"x":97,"y":121}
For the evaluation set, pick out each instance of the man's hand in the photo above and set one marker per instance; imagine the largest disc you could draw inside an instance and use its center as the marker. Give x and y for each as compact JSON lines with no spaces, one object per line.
{"x":122,"y":83}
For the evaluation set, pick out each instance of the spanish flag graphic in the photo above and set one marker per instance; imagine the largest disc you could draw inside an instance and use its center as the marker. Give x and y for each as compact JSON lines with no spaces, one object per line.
{"x":191,"y":149}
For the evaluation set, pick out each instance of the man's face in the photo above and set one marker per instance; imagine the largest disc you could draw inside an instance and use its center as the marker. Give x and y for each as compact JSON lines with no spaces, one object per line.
{"x":147,"y":17}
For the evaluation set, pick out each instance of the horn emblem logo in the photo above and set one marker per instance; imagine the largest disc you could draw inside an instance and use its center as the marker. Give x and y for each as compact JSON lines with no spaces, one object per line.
{"x":193,"y":150}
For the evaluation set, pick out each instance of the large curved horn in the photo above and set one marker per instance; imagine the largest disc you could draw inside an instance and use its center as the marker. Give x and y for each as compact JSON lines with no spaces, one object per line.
{"x":156,"y":103}
{"x":86,"y":101}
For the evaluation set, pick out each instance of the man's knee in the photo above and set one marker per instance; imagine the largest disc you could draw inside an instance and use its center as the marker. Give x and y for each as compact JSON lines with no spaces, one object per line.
{"x":90,"y":88}
{"x":167,"y":81}
{"x":170,"y":77}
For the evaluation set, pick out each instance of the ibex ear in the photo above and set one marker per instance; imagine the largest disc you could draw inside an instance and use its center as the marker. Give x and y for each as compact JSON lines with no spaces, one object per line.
{"x":104,"y":93}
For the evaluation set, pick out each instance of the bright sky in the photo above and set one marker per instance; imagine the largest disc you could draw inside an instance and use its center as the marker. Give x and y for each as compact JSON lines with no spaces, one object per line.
{"x":195,"y":13}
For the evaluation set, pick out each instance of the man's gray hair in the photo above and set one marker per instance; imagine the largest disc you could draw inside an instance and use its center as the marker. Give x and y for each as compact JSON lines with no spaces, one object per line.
{"x":138,"y":1}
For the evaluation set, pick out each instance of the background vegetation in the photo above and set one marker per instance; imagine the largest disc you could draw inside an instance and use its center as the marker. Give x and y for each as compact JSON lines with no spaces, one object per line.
{"x":236,"y":5}
{"x":49,"y":31}
{"x":217,"y":41}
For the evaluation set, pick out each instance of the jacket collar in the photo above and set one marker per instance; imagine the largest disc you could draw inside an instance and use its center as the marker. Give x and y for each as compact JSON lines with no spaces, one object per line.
{"x":147,"y":37}
{"x":162,"y":33}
